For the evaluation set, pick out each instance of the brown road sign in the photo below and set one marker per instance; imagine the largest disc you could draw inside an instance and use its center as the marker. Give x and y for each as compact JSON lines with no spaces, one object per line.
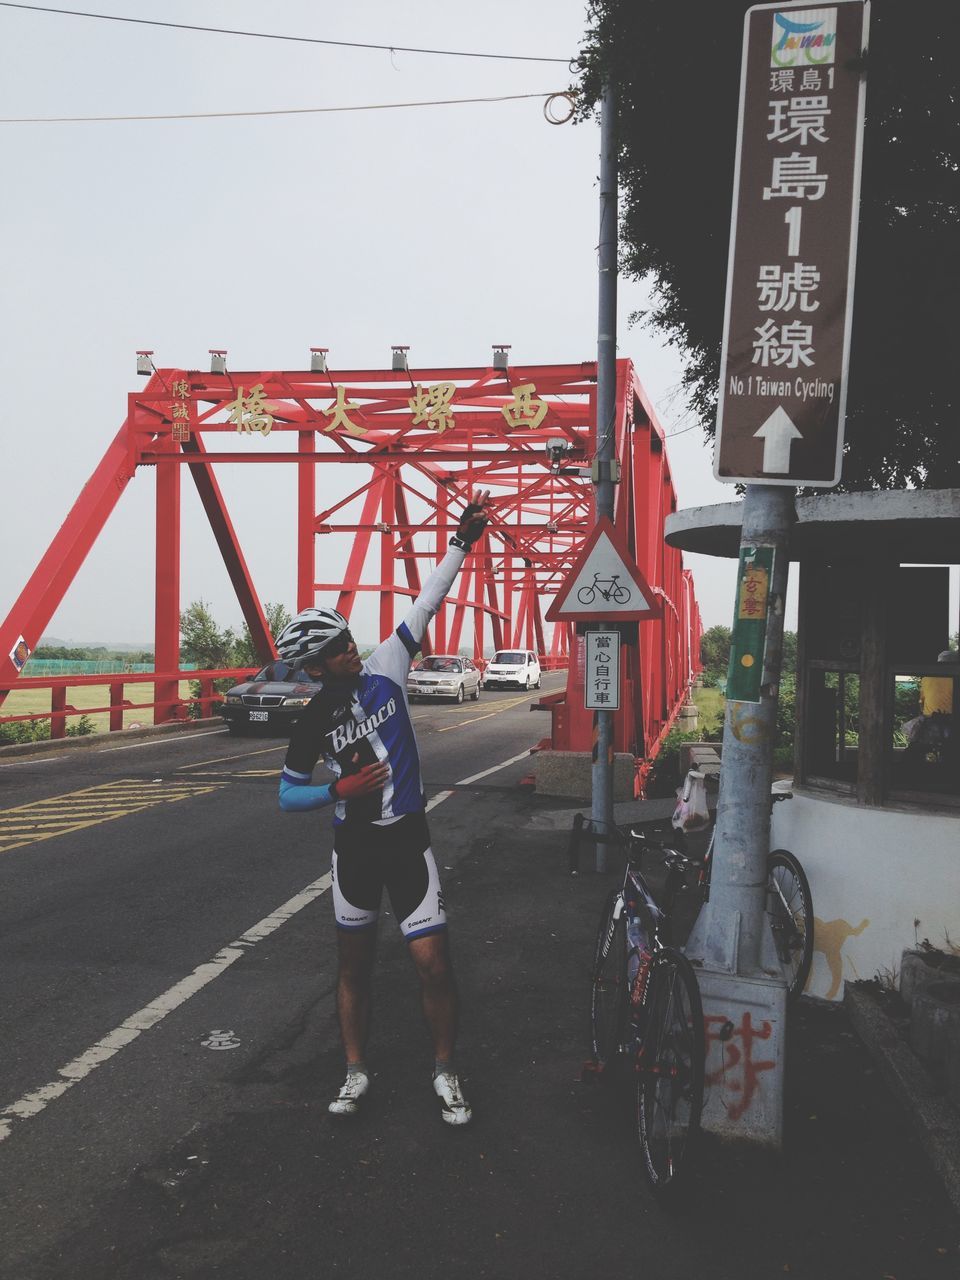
{"x":792,"y":245}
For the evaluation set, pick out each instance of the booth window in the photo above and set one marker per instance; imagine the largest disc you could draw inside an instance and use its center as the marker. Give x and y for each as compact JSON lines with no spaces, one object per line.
{"x":833,"y":606}
{"x":833,"y":723}
{"x":880,"y":705}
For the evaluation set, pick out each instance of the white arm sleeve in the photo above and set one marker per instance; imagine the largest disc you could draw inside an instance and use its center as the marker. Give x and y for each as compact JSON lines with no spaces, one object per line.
{"x":393,"y":657}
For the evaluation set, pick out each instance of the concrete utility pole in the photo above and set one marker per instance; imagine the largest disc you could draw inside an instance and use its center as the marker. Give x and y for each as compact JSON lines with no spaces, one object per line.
{"x":739,"y":977}
{"x":774,"y":434}
{"x":731,"y":932}
{"x":601,"y":814}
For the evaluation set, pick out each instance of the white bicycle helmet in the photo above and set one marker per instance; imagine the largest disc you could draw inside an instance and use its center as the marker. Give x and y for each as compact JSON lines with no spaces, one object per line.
{"x":309,"y":634}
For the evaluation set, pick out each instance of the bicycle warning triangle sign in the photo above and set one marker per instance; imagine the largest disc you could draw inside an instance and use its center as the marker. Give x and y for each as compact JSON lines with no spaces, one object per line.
{"x":604,"y":583}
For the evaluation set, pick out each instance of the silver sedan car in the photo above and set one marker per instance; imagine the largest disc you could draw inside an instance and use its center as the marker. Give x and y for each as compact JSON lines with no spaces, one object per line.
{"x":444,"y":675}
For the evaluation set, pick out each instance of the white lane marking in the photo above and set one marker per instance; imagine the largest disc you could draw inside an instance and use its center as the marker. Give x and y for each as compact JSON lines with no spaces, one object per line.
{"x":487,"y":772}
{"x":438,"y":799}
{"x":130,"y":746}
{"x":237,"y":755}
{"x":31,"y":760}
{"x":445,"y":795}
{"x":33,"y":1103}
{"x":162,"y":741}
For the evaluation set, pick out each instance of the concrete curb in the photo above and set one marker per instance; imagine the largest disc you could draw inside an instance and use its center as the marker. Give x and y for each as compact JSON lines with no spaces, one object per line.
{"x":99,"y":739}
{"x":935,"y":1123}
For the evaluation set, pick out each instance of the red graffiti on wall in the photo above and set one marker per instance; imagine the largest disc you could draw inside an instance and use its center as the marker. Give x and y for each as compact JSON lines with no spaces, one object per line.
{"x":738,"y":1071}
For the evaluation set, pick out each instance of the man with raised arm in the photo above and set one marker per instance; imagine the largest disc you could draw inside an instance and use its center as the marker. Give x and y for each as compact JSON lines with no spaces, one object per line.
{"x":359,"y":722}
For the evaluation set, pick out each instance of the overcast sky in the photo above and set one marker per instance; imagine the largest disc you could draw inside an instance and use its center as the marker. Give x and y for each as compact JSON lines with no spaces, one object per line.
{"x":448,"y":228}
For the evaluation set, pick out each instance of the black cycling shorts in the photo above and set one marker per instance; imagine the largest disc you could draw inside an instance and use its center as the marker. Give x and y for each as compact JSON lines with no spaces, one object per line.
{"x":368,"y":858}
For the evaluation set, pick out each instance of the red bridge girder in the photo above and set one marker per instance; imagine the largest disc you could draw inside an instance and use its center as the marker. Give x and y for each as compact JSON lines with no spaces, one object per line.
{"x":424,"y":440}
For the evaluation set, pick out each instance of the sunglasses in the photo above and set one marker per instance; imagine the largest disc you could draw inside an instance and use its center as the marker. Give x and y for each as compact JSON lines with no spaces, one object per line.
{"x":340,"y":645}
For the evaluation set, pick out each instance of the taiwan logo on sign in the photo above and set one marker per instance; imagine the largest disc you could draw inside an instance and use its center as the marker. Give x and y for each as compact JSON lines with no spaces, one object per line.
{"x":804,"y":38}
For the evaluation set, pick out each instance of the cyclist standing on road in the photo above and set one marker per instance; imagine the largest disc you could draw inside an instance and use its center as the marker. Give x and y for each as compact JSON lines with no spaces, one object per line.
{"x":359,"y":721}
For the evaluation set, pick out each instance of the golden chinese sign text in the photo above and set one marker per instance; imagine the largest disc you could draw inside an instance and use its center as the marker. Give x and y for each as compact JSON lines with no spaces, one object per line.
{"x":433,"y":405}
{"x":250,"y":412}
{"x":524,"y":410}
{"x":339,"y":414}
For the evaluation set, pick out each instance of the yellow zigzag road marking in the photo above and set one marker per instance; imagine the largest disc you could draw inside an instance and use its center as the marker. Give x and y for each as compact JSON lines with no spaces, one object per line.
{"x":44,"y":819}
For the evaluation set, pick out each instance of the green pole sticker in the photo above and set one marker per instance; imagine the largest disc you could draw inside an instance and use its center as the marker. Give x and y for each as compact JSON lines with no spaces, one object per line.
{"x":750,"y":624}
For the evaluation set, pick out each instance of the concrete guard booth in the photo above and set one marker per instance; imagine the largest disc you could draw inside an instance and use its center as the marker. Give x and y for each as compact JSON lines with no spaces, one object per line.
{"x":875,"y":817}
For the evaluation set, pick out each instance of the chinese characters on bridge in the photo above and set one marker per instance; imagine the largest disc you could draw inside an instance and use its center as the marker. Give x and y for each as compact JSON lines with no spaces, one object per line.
{"x":793,"y":245}
{"x":180,"y":410}
{"x":250,"y":412}
{"x":430,"y":406}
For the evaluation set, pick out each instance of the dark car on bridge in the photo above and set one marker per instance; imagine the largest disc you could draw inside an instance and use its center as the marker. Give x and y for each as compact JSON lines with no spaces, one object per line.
{"x":270,"y":701}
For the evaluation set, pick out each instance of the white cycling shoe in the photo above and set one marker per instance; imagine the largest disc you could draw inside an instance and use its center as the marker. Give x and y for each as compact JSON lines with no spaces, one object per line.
{"x":347,"y":1102}
{"x":455,"y":1108}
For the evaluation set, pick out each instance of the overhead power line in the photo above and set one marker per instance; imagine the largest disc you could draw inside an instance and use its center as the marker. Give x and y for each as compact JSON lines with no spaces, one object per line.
{"x":283,"y":111}
{"x":270,"y":35}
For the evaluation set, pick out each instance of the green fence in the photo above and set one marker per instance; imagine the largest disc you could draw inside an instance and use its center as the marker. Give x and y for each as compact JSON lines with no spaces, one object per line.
{"x":40,"y":667}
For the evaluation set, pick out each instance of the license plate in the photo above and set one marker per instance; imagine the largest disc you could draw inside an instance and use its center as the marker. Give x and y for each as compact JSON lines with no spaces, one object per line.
{"x":260,"y":715}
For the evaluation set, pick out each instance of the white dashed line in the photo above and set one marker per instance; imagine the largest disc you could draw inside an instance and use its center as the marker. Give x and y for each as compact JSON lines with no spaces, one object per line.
{"x":487,"y":772}
{"x":31,"y":1104}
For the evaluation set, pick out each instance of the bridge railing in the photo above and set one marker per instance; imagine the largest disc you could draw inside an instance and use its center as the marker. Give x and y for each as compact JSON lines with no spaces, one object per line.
{"x":167,"y":703}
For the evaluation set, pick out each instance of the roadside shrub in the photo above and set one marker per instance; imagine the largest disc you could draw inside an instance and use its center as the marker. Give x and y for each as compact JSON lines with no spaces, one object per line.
{"x":24,"y":731}
{"x":664,"y":778}
{"x":80,"y":728}
{"x":39,"y":731}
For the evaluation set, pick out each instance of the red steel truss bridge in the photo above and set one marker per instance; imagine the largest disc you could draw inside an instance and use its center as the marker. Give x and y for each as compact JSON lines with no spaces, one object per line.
{"x":403,"y":449}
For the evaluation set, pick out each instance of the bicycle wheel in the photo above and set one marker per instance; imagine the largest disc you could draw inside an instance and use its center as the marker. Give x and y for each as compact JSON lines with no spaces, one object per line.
{"x":608,"y":992}
{"x":670,"y":1071}
{"x":790,"y":913}
{"x":586,"y":595}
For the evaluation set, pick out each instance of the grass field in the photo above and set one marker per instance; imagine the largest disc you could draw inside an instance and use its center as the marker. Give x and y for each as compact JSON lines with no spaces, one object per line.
{"x":22,"y":702}
{"x":710,"y":703}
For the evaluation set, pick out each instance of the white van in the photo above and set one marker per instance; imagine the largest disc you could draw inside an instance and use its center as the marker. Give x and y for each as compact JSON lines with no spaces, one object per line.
{"x":512,"y":666}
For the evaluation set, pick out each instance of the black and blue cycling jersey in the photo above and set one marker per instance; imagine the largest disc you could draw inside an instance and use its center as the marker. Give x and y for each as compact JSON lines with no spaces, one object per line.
{"x":368,"y":721}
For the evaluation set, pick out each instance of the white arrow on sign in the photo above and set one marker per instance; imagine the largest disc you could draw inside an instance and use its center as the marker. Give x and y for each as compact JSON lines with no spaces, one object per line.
{"x":778,"y":434}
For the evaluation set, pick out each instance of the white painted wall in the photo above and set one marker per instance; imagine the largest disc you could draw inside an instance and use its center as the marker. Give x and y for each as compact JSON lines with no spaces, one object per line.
{"x":872,"y":872}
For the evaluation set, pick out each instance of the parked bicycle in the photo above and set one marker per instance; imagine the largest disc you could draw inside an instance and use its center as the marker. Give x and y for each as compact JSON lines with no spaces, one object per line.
{"x":646,"y":1013}
{"x":789,"y":906}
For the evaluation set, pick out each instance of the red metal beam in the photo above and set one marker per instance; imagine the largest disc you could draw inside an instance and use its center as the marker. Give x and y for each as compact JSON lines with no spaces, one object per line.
{"x":233,"y":557}
{"x":40,"y":598}
{"x":426,"y":438}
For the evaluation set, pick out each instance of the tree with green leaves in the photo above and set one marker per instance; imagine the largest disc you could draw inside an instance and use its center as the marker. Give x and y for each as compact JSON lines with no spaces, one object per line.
{"x":715,"y":650}
{"x":277,"y":616}
{"x":202,"y":641}
{"x":676,"y":73}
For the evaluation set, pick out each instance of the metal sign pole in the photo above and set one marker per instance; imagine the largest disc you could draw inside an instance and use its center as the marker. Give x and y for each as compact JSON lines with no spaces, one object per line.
{"x":602,"y":798}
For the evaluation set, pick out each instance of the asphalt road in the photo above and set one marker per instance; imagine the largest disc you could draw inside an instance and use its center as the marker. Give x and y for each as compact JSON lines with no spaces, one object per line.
{"x":126,"y":871}
{"x":170,"y":1046}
